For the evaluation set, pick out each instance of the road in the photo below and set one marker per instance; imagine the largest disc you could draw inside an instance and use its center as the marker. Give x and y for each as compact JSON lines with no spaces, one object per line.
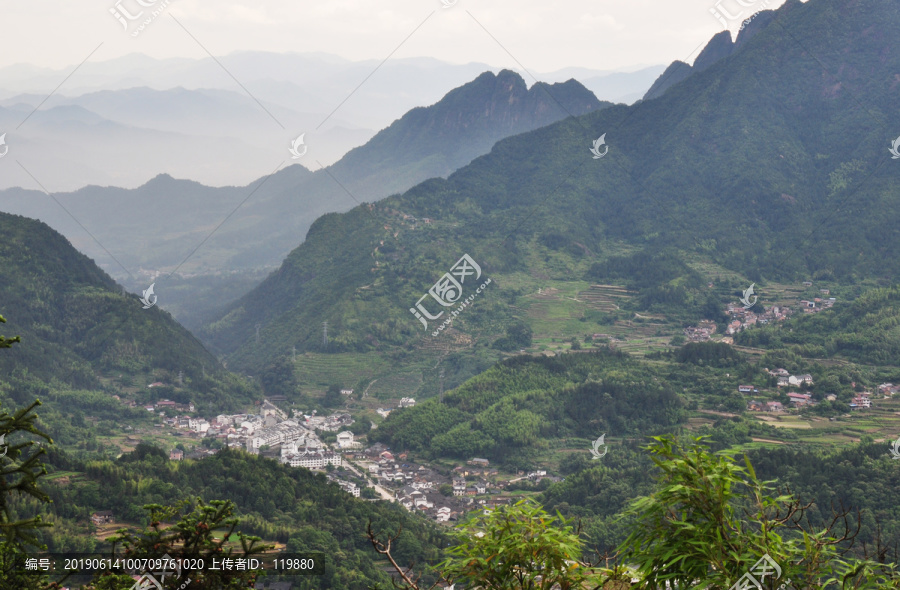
{"x":384,"y":493}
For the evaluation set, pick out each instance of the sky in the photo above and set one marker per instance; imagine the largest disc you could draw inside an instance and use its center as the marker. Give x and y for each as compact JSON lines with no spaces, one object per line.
{"x":537,"y":36}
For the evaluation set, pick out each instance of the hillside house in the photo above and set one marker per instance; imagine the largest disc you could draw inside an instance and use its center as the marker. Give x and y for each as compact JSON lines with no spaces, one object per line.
{"x":407,"y":402}
{"x":800,"y":399}
{"x":443,"y":514}
{"x":860,"y":402}
{"x":102,"y":517}
{"x":176,"y":455}
{"x":747,"y":389}
{"x":479,"y":462}
{"x":774,"y":407}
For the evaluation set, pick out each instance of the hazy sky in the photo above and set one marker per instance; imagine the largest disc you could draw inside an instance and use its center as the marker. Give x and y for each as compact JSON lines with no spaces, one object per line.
{"x":542,"y":36}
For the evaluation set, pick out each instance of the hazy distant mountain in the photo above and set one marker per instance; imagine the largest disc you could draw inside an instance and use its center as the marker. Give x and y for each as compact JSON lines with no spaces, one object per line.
{"x":117,"y":138}
{"x":151,"y":113}
{"x":624,"y":87}
{"x":791,"y":182}
{"x":156,"y":227}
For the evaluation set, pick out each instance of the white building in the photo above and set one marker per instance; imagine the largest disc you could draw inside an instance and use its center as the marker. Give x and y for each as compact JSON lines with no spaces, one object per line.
{"x":313,"y":459}
{"x":345,"y":440}
{"x":287,"y":431}
{"x":349,"y":487}
{"x":407,"y":402}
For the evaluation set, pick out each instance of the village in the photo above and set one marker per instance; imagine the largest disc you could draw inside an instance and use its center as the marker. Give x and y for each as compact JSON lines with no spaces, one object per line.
{"x":375,"y":472}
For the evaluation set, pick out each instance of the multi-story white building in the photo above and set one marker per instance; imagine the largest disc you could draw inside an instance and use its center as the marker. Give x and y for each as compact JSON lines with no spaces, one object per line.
{"x":287,"y":431}
{"x":345,"y":440}
{"x":313,"y":459}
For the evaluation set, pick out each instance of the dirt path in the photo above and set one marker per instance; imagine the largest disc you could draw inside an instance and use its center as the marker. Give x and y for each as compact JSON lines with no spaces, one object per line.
{"x":766,"y":440}
{"x":726,"y":414}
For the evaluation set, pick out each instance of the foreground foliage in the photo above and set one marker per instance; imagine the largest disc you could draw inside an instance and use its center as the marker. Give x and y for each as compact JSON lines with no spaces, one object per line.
{"x":708,"y":524}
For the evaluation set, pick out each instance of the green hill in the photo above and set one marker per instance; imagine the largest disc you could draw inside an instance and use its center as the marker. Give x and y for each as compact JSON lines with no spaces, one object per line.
{"x":864,"y":330}
{"x":80,"y":331}
{"x":509,"y":412}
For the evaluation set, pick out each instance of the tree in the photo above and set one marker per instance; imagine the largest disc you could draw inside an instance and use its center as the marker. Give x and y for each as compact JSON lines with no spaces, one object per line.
{"x":518,"y":335}
{"x":278,"y":378}
{"x":20,"y":469}
{"x":332,"y":397}
{"x":508,"y":548}
{"x":205,"y":532}
{"x":711,"y":520}
{"x":445,"y":489}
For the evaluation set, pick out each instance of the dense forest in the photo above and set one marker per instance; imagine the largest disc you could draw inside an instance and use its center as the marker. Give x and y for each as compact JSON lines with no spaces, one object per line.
{"x":295,"y":507}
{"x":507,"y":413}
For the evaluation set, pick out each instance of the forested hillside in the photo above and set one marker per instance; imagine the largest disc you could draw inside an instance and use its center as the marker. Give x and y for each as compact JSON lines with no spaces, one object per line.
{"x":744,"y":165}
{"x":296,"y":508}
{"x":864,"y":330}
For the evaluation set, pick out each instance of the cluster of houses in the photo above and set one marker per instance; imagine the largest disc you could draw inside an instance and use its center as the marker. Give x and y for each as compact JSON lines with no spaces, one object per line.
{"x":416,"y":487}
{"x":817,"y":304}
{"x":700,"y":332}
{"x":741,"y":318}
{"x":786,"y":379}
{"x":799,"y":400}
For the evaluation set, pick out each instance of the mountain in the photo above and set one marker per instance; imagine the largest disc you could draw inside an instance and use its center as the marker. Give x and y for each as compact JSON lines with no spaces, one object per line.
{"x":79,"y":330}
{"x":186,"y":118}
{"x":719,"y":47}
{"x":434,"y":141}
{"x":750,"y":168}
{"x":72,"y":142}
{"x":158,"y":225}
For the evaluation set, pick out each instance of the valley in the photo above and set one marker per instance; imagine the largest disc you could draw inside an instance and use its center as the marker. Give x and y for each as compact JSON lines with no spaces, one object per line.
{"x":487,"y":331}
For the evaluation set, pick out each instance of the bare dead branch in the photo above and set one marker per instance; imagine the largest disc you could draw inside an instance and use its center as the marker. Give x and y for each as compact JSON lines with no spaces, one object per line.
{"x":384,"y":548}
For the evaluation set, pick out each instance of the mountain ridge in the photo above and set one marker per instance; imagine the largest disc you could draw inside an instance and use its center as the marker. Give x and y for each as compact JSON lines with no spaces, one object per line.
{"x":672,"y":161}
